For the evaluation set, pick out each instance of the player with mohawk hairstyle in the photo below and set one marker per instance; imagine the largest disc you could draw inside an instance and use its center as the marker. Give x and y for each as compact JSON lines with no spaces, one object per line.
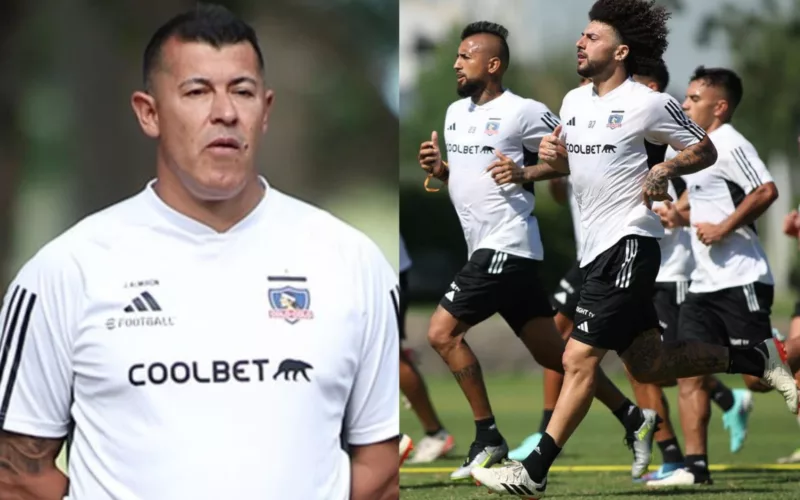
{"x":614,"y":139}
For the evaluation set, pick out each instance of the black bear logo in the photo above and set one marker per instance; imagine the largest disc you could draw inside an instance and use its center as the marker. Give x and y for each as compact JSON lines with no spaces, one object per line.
{"x":294,"y":367}
{"x":608,"y":148}
{"x":487,"y":149}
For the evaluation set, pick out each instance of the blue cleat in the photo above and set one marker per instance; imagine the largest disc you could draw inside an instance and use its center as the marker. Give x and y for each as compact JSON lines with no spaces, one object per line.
{"x":662,"y":472}
{"x":735,"y":419}
{"x":528,"y":444}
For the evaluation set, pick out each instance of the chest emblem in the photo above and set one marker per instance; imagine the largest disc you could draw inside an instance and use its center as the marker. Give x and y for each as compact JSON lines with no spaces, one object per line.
{"x":492,"y":128}
{"x":615,"y":120}
{"x":290,"y":304}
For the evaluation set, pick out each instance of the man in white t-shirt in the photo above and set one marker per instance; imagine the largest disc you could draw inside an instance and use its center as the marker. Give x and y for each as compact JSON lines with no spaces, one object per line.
{"x":612,"y":146}
{"x":730,"y":298}
{"x":487,"y":129}
{"x":437,"y":442}
{"x":193,"y":339}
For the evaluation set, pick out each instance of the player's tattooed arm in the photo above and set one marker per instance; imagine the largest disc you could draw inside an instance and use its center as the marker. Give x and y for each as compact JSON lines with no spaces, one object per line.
{"x":28,"y":468}
{"x":692,"y":159}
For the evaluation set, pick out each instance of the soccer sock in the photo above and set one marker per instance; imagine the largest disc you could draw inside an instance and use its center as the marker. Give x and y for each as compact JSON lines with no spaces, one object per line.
{"x":752,"y":361}
{"x":433,"y":433}
{"x":697,"y":465}
{"x":629,"y":415}
{"x":539,"y":461}
{"x":722,"y":396}
{"x":486,"y":432}
{"x":670,"y":451}
{"x":546,"y":416}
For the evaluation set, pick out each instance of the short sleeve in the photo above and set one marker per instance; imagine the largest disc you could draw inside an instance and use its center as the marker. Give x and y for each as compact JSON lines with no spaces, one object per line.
{"x":745,"y":168}
{"x":373,"y":413}
{"x":536,"y":121}
{"x":37,"y":321}
{"x":669,"y":125}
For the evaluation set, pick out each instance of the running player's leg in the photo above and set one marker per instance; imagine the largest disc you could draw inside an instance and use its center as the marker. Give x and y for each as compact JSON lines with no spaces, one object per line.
{"x":473,"y":297}
{"x":564,"y":301}
{"x":792,"y":344}
{"x":437,"y":441}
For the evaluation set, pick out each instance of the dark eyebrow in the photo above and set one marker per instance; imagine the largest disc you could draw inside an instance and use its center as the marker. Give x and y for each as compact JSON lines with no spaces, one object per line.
{"x":206,"y":82}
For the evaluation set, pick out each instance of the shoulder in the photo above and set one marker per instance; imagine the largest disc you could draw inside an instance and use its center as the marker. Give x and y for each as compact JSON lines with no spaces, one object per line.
{"x":726,"y":138}
{"x":459,"y":106}
{"x":577,"y":94}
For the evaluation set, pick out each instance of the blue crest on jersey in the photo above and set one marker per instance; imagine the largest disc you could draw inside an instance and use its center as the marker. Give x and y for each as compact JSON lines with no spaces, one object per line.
{"x":492,"y":128}
{"x":614,"y":121}
{"x":290,"y":304}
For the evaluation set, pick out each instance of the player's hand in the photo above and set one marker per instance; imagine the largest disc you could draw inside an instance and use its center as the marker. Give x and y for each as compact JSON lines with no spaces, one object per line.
{"x":430,"y":158}
{"x":553,"y":150}
{"x":670,"y":218}
{"x":709,"y":233}
{"x":656,"y":185}
{"x":790,"y":224}
{"x":505,"y":171}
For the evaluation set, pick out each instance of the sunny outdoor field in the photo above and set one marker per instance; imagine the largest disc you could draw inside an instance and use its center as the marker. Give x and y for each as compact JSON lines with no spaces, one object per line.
{"x":595,"y":463}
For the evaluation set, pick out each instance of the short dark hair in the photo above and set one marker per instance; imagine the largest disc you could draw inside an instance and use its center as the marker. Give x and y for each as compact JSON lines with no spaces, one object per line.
{"x":209,"y":23}
{"x":492,"y":29}
{"x":725,"y":78}
{"x":641,"y":25}
{"x":659,"y":74}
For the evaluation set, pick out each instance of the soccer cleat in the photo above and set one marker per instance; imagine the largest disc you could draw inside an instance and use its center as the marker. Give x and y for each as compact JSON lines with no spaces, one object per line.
{"x":681,"y":477}
{"x":735,"y":419}
{"x":511,"y":479}
{"x":794,"y":458}
{"x":526,"y":448}
{"x":480,"y":455}
{"x":662,"y":472}
{"x":433,"y":447}
{"x":641,"y":443}
{"x":406,"y":445}
{"x":777,"y":373}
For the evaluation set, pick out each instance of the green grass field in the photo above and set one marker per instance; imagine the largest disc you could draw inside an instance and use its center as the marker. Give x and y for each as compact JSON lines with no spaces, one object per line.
{"x":597,"y":449}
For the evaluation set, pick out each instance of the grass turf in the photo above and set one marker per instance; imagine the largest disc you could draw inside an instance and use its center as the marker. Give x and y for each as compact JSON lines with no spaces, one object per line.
{"x":595,"y":463}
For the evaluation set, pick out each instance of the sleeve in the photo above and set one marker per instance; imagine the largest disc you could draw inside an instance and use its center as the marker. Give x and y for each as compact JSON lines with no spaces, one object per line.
{"x":536,"y":121}
{"x":669,"y":125}
{"x":373,"y":411}
{"x":37,"y":321}
{"x":745,"y":168}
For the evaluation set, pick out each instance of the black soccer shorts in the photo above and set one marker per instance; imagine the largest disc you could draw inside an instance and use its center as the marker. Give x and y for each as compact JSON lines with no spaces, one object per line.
{"x":565,"y":298}
{"x":496,"y":282}
{"x":667,"y":299}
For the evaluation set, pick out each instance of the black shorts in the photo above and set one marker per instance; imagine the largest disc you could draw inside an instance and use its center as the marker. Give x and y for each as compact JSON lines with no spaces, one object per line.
{"x":667,"y":300}
{"x":731,"y":317}
{"x":616,"y":298}
{"x":496,"y":282}
{"x":403,"y":306}
{"x":565,"y":298}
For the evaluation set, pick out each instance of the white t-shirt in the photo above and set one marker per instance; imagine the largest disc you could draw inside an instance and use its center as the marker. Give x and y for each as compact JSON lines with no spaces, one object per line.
{"x":714,"y":194}
{"x":195,"y":364}
{"x":676,"y":245}
{"x":405,"y":260}
{"x":495,"y":217}
{"x":610,"y":142}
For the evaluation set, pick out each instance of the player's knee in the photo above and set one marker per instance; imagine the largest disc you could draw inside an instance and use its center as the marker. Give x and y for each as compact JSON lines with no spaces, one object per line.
{"x":576,"y":362}
{"x":442,"y":340}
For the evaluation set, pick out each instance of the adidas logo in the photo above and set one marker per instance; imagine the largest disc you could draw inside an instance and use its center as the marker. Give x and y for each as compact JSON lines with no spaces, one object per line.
{"x":583,"y":327}
{"x":449,"y":295}
{"x":571,"y":121}
{"x":452,"y":126}
{"x":561,"y":297}
{"x":519,"y":489}
{"x":143,"y":303}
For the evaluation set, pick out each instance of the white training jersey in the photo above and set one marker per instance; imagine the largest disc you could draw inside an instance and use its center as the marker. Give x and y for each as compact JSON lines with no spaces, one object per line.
{"x":495,"y":217}
{"x":575,"y":212}
{"x":676,"y":245}
{"x":611,"y":142}
{"x":405,"y":260}
{"x":714,"y":193}
{"x":201,"y":365}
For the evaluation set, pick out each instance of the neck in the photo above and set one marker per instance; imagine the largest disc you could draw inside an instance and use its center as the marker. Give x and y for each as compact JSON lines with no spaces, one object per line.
{"x":714,"y":125}
{"x":492,"y":91}
{"x":605,"y":83}
{"x":219,"y":215}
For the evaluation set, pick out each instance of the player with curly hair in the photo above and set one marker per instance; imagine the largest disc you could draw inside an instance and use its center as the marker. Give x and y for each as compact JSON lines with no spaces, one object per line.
{"x":613,"y":144}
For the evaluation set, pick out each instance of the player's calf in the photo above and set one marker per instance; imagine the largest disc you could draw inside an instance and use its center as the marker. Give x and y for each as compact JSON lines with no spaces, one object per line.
{"x":755,"y":384}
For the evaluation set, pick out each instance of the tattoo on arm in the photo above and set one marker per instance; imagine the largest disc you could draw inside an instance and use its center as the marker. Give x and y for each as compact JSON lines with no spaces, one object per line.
{"x":541,"y":172}
{"x":649,"y":359}
{"x":692,"y":159}
{"x":472,"y":371}
{"x":28,"y":468}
